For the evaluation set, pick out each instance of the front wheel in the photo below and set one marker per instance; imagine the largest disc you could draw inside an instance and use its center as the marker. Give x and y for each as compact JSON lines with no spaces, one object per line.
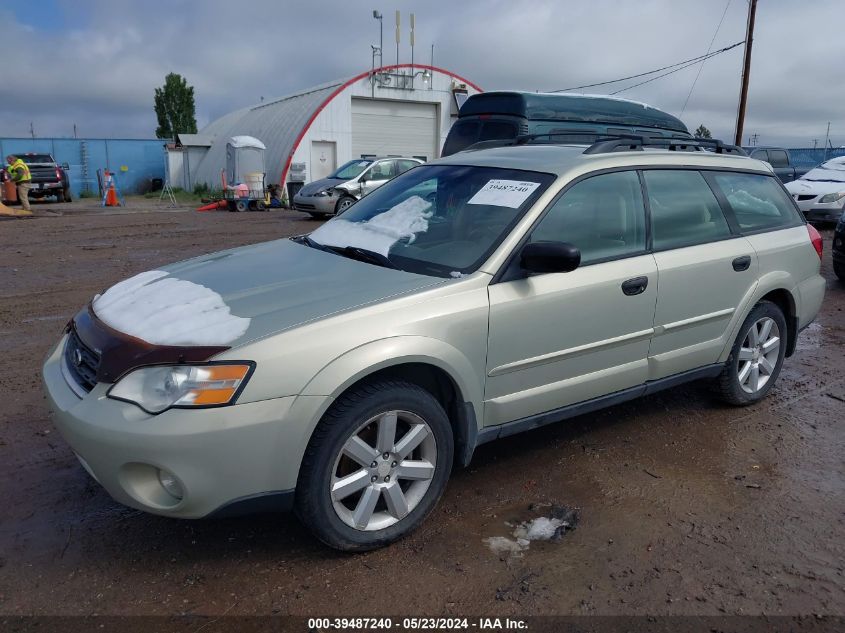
{"x":343,"y":204}
{"x":375,"y":466}
{"x":756,"y":358}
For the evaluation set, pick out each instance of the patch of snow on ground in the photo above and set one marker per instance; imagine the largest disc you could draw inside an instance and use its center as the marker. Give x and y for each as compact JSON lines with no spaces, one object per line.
{"x":380,"y":232}
{"x":538,"y":529}
{"x":165,"y":310}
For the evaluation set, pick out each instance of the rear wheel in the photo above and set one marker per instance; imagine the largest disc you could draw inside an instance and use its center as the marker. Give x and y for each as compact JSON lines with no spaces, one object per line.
{"x":756,"y":357}
{"x":60,"y":196}
{"x":241,"y":205}
{"x":375,"y":466}
{"x":839,"y":269}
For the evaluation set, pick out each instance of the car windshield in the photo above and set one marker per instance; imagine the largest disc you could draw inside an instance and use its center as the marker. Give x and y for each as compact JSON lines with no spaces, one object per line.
{"x":442,"y":220}
{"x":32,"y":159}
{"x":352,"y":169}
{"x":832,"y":170}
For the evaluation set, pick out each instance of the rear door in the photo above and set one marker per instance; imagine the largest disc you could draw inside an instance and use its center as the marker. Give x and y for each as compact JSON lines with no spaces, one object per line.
{"x":561,"y":338}
{"x":706,"y":271}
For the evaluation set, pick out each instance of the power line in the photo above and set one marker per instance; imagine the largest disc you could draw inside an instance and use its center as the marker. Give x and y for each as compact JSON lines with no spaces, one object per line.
{"x":713,"y":54}
{"x":700,"y":68}
{"x":690,"y":61}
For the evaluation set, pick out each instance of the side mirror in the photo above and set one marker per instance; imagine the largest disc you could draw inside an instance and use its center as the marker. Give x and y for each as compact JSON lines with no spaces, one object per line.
{"x":550,"y":257}
{"x":65,"y":166}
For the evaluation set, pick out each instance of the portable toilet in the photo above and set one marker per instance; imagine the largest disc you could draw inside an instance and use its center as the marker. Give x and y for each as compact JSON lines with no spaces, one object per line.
{"x":244,"y":159}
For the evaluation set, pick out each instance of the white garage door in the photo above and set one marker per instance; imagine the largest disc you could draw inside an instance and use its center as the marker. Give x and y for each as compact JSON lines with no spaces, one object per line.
{"x":394,"y":128}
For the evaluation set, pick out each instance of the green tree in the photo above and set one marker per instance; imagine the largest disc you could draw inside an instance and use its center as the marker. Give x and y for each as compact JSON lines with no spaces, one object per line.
{"x":174,"y":107}
{"x":702,"y":132}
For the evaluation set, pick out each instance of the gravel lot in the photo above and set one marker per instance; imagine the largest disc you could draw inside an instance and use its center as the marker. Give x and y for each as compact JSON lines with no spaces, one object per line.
{"x":687,"y":506}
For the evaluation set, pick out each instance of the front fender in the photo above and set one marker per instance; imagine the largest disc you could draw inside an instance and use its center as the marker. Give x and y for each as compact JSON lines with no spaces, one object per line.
{"x":358,"y":363}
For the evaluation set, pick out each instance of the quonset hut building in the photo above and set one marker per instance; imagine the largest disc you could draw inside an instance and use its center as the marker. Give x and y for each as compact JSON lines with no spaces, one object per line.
{"x":399,"y":110}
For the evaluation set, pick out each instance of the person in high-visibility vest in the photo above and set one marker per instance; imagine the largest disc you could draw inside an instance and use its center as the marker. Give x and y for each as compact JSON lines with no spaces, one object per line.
{"x":19,"y":171}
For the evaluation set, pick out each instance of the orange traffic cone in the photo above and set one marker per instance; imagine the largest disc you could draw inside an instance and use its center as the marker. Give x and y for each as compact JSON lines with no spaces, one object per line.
{"x":111,"y":196}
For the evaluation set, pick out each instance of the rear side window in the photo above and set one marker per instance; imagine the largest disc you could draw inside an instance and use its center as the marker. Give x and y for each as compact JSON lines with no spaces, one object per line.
{"x":684,"y":210}
{"x":462,"y":135}
{"x":778,"y":158}
{"x":757,"y":201}
{"x":603,"y":216}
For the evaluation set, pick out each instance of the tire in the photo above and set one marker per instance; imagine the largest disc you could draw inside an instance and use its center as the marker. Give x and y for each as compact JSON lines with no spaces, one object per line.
{"x":736,"y":383}
{"x":260,"y":206}
{"x":374,"y":511}
{"x":60,"y":196}
{"x":68,"y":196}
{"x":241,"y":206}
{"x":839,"y":269}
{"x":343,"y":204}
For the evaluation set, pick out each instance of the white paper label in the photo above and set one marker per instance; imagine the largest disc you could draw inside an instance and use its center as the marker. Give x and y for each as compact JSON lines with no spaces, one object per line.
{"x":504,"y":193}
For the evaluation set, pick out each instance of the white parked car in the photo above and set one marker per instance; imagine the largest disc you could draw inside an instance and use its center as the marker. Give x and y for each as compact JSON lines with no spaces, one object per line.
{"x":820,"y":193}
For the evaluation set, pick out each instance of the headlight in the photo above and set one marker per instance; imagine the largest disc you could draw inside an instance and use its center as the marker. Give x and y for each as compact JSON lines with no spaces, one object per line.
{"x":324,"y":193}
{"x":156,"y":389}
{"x":832,"y":197}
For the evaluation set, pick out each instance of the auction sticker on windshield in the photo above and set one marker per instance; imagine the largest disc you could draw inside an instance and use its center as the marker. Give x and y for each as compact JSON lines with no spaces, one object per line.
{"x":504,"y":193}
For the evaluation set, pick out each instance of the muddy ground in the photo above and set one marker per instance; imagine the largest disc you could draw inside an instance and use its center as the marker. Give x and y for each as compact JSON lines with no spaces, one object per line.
{"x":687,"y":506}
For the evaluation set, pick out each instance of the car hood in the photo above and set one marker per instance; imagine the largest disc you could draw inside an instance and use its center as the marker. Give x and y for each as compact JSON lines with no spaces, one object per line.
{"x":319,"y":185}
{"x":239,"y":295}
{"x":816,"y":187}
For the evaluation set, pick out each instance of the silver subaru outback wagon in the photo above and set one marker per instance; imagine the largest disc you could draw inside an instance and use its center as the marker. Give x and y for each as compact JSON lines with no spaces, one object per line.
{"x":344,"y":373}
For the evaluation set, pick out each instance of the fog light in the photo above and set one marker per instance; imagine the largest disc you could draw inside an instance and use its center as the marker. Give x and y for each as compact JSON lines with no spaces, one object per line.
{"x":169,"y":482}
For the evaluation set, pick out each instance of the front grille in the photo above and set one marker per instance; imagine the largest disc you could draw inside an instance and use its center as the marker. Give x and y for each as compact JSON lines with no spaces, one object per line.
{"x":804,"y":198}
{"x":300,"y":205}
{"x":82,"y":362}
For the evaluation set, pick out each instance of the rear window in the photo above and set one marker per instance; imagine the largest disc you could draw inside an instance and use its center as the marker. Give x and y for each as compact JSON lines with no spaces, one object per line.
{"x":758,"y":202}
{"x":467,"y":132}
{"x":31,"y":159}
{"x":778,"y":158}
{"x":684,"y":210}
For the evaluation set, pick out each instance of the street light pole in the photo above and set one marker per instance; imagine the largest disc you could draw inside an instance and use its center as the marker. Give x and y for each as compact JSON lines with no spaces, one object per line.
{"x":378,"y":16}
{"x":746,"y":71}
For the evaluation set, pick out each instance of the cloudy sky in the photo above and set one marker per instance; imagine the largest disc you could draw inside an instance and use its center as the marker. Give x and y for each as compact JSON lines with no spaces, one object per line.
{"x":96,"y":63}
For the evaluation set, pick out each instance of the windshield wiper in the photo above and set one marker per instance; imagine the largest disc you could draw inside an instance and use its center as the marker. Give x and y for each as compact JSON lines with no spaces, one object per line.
{"x":304,"y":239}
{"x":364,"y":255}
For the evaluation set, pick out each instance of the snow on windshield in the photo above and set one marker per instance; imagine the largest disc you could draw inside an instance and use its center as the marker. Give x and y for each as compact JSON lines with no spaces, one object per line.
{"x":164,"y":310}
{"x":379,"y":233}
{"x":831,"y":170}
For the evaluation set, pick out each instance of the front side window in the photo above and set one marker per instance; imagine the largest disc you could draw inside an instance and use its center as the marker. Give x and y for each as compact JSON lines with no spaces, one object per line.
{"x":442,"y":220}
{"x":603,"y":216}
{"x":684,"y":210}
{"x":757,"y":201}
{"x":383,"y":170}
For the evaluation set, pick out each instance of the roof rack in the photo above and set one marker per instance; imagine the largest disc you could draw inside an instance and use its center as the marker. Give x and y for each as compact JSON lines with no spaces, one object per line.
{"x":634,"y":142}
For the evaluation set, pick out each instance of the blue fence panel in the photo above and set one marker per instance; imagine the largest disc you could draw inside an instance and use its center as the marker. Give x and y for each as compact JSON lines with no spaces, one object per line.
{"x":807,"y":157}
{"x":144,"y":159}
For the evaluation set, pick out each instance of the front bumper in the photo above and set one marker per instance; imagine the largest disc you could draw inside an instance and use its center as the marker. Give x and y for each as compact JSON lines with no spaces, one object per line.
{"x":315,"y":204}
{"x":822,"y":213}
{"x":219,"y":455}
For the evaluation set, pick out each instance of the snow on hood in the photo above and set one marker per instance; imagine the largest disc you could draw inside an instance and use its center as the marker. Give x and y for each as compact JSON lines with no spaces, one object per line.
{"x":380,"y":232}
{"x":817,"y":187}
{"x":245,"y":293}
{"x":164,"y":310}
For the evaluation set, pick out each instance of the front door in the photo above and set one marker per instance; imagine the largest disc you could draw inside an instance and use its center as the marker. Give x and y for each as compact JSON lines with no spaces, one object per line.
{"x":560,"y":338}
{"x":380,"y":173}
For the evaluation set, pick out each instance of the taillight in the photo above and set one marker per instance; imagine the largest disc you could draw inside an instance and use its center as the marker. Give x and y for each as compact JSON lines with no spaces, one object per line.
{"x":58,"y":174}
{"x":816,"y":239}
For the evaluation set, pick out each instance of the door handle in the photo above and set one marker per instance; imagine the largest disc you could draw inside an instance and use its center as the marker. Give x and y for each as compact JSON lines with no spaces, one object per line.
{"x":742,"y":263}
{"x":635,"y":286}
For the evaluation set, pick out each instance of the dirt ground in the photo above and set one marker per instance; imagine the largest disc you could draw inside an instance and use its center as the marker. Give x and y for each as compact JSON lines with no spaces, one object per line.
{"x":687,"y":506}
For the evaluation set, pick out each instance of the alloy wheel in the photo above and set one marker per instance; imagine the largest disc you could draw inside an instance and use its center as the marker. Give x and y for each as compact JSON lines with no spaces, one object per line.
{"x":383,"y":470}
{"x":758,"y":355}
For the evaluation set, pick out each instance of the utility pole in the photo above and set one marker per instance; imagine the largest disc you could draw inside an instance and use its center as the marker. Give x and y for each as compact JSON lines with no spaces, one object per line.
{"x":397,"y":36}
{"x":815,"y":142}
{"x":32,"y":129}
{"x":826,"y":139}
{"x":746,"y":71}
